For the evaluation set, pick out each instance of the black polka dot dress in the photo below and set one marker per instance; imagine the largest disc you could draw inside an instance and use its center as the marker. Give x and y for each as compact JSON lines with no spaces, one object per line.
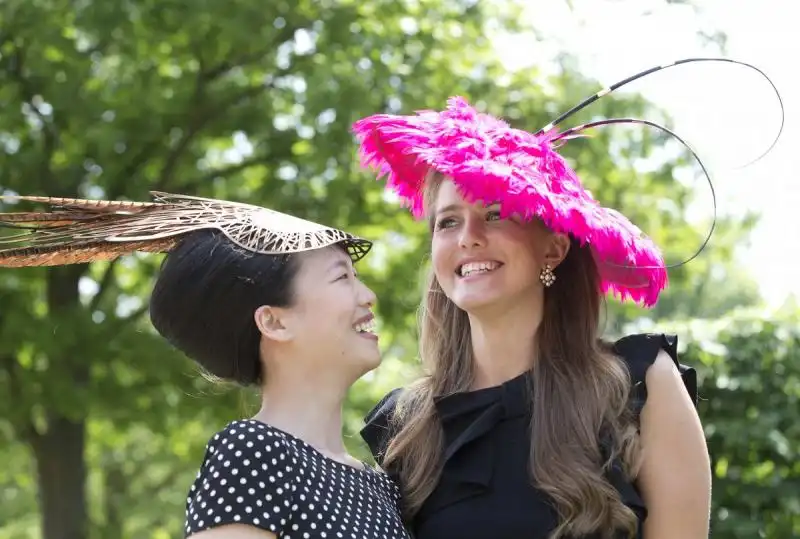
{"x":261,"y":476}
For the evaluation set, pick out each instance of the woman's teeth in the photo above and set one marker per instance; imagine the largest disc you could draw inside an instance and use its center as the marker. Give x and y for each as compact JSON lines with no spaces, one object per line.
{"x":365,"y":327}
{"x":477,"y":267}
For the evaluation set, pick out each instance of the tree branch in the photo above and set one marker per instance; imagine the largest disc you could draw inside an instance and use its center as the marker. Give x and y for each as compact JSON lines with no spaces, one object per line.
{"x":104,"y":284}
{"x":228,"y":171}
{"x":206,"y":77}
{"x":174,"y":156}
{"x":143,"y":156}
{"x":150,"y":149}
{"x":284,"y":34}
{"x":224,"y":172}
{"x":223,"y":67}
{"x":131,"y":318}
{"x":28,"y":93}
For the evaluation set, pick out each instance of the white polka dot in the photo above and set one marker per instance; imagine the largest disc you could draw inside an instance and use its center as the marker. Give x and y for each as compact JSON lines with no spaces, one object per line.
{"x":307,"y":494}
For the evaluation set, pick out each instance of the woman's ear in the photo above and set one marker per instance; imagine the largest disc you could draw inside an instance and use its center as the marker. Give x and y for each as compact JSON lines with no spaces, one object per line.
{"x":270,"y":323}
{"x":557,"y":249}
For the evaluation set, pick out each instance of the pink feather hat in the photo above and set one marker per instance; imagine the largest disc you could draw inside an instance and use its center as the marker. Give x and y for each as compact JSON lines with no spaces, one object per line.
{"x":489,"y":161}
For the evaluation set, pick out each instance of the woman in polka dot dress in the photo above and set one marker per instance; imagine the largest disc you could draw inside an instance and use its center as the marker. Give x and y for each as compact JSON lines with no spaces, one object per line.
{"x":300,"y":326}
{"x":259,"y":298}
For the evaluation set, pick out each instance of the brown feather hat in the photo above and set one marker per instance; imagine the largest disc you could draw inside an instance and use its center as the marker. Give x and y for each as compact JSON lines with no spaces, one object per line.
{"x":78,"y":231}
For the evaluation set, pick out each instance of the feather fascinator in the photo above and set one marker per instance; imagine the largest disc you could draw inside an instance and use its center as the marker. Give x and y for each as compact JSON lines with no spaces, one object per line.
{"x":77,"y":231}
{"x":489,"y":161}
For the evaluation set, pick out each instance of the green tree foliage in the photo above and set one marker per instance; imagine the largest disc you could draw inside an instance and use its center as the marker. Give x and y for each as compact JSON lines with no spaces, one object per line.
{"x":103,"y":425}
{"x":749,"y":371}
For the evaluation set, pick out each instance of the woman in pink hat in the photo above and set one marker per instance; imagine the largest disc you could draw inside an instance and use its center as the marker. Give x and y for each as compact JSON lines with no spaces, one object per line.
{"x":526,"y":424}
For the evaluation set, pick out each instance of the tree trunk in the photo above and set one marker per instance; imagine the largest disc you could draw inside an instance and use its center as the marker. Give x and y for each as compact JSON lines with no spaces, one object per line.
{"x":61,"y":472}
{"x":60,"y":449}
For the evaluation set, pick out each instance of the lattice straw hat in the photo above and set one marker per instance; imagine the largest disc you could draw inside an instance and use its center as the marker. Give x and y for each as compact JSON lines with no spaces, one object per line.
{"x":77,"y":231}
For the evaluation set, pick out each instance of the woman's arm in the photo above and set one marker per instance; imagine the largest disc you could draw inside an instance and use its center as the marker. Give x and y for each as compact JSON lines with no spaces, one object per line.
{"x":234,"y":531}
{"x":675,"y":478}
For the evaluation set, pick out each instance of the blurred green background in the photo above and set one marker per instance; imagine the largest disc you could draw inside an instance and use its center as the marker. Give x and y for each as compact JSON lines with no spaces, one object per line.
{"x":103,"y":426}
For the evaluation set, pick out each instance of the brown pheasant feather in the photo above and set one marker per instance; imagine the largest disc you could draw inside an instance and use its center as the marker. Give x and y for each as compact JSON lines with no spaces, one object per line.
{"x":80,"y":231}
{"x":92,"y":209}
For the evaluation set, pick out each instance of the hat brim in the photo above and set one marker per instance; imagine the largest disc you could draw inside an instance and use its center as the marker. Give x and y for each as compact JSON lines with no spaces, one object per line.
{"x":83,"y":231}
{"x":492,"y":162}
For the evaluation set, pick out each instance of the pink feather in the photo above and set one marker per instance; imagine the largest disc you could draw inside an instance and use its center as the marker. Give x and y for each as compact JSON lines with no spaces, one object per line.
{"x":490,"y":161}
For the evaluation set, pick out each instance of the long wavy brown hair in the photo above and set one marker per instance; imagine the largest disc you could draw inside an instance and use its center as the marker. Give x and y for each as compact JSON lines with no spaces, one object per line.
{"x":580,"y":395}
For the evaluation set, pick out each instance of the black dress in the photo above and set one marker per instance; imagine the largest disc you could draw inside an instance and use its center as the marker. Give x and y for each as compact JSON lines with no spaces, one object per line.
{"x":258,"y":475}
{"x":485,"y":488}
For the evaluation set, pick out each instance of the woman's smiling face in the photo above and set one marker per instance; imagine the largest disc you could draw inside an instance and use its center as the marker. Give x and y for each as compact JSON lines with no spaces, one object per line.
{"x":482,"y":260}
